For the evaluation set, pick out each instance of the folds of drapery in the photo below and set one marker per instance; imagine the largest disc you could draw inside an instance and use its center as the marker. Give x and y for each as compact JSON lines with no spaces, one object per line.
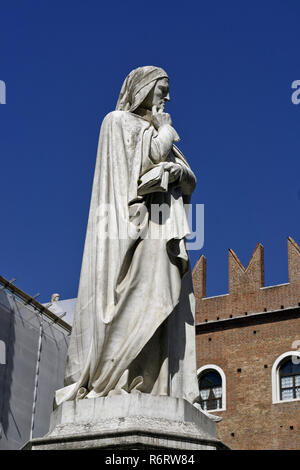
{"x":128,"y":285}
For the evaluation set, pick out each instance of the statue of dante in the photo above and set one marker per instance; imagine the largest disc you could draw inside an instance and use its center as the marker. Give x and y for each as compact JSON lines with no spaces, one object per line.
{"x":134,"y":321}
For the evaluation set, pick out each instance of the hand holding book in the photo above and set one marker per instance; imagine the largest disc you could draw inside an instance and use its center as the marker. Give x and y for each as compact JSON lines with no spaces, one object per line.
{"x":158,"y":178}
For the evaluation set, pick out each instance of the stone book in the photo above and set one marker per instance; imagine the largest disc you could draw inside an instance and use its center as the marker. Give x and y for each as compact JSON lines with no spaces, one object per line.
{"x":155,"y":180}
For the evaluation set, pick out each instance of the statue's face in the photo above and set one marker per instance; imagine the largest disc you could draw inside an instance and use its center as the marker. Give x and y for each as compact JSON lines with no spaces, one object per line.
{"x":159,"y":95}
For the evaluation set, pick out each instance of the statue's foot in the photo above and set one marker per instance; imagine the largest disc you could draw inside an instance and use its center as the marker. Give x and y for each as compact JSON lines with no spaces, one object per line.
{"x":210,"y":416}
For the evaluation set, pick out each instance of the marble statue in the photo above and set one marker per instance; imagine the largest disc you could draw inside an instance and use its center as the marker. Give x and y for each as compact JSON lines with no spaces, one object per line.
{"x":134,"y":327}
{"x":55,"y":298}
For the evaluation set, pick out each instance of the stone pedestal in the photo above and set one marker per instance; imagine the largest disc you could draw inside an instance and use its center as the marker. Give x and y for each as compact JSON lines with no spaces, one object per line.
{"x":132,"y":421}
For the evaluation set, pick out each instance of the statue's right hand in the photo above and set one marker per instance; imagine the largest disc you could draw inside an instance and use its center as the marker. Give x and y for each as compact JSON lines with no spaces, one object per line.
{"x":159,"y":118}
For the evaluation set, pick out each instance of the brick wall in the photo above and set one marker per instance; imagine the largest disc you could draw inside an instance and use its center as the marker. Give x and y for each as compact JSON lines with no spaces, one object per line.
{"x":246,"y":346}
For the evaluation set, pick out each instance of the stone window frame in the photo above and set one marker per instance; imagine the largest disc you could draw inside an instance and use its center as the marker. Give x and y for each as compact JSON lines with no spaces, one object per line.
{"x":218,"y":369}
{"x":276,"y":377}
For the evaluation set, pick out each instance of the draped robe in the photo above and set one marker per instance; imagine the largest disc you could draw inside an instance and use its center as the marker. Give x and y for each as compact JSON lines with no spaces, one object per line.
{"x":133,"y":328}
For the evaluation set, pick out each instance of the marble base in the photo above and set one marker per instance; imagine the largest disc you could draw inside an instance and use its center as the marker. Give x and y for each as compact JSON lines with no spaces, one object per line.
{"x":131,"y":421}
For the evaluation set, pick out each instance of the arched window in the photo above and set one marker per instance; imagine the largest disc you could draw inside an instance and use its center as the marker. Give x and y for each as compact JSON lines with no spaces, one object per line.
{"x":289,"y":379}
{"x":212,"y":388}
{"x":286,"y":377}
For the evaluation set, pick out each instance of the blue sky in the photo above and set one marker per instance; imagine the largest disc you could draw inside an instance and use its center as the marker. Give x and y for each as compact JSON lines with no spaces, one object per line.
{"x":231,"y":65}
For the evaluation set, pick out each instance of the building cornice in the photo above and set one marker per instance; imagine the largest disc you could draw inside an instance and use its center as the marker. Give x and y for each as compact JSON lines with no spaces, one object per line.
{"x":248,"y":319}
{"x":28,"y":300}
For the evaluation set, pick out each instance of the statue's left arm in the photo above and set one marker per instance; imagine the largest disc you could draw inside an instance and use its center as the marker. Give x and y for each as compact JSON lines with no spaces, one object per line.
{"x":186,"y":179}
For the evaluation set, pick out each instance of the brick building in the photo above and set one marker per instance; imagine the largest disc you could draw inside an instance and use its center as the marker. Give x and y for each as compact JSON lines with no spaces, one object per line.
{"x":248,"y":362}
{"x":247,"y":357}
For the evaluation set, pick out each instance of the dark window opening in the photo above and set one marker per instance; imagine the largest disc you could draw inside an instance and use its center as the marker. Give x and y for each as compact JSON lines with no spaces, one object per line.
{"x":210,"y":387}
{"x":289,"y":379}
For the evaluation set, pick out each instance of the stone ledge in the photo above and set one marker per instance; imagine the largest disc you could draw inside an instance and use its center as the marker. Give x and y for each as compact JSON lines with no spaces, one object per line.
{"x":130,"y":439}
{"x":132,"y":421}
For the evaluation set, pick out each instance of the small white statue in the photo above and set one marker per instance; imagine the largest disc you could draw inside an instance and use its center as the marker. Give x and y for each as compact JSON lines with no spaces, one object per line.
{"x":54,"y":298}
